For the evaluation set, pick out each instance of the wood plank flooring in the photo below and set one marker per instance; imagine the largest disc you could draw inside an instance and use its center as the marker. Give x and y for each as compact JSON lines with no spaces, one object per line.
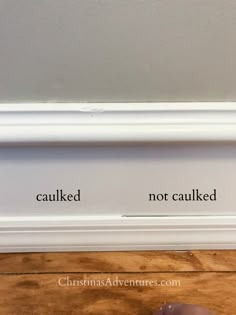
{"x":116,"y":282}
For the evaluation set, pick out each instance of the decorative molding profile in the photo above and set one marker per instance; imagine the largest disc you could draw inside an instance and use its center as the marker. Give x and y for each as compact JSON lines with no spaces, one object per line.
{"x":60,"y":124}
{"x":116,"y":123}
{"x":117,"y":233}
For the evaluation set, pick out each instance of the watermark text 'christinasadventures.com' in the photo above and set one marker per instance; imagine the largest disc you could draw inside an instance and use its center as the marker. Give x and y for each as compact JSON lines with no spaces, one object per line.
{"x":116,"y":282}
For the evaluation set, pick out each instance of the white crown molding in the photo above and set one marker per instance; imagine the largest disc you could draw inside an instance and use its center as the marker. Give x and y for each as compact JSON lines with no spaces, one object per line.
{"x":116,"y":123}
{"x":116,"y":233}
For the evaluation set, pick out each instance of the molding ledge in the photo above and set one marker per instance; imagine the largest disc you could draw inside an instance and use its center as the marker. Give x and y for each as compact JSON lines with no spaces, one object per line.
{"x":116,"y":233}
{"x":116,"y":123}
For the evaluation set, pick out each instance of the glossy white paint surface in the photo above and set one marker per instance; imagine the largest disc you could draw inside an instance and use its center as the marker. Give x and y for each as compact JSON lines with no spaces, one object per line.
{"x":116,"y":233}
{"x":163,"y":148}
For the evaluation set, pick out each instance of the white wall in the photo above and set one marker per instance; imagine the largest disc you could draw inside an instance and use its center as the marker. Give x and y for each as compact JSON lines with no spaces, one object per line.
{"x":117,"y":50}
{"x":117,"y":180}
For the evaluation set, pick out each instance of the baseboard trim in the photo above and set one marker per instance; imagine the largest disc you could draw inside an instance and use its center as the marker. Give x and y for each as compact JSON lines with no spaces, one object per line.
{"x":112,"y":124}
{"x":116,"y":233}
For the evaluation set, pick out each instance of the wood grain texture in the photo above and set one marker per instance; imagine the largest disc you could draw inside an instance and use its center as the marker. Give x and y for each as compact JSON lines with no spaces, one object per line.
{"x":41,"y":294}
{"x":29,"y":282}
{"x":147,"y":261}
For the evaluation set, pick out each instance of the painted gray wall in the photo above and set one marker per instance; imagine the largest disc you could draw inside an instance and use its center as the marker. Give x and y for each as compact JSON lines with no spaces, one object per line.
{"x":117,"y":50}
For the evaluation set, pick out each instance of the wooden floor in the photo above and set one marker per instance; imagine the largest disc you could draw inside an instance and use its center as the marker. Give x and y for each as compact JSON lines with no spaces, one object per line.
{"x":38,"y":284}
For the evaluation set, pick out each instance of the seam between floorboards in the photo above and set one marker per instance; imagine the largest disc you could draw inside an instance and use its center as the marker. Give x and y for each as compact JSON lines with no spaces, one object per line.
{"x":107,"y":272}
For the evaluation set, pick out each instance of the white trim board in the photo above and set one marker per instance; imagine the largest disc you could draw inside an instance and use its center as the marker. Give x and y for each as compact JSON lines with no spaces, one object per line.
{"x":117,"y":233}
{"x":116,"y":123}
{"x":79,"y":124}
